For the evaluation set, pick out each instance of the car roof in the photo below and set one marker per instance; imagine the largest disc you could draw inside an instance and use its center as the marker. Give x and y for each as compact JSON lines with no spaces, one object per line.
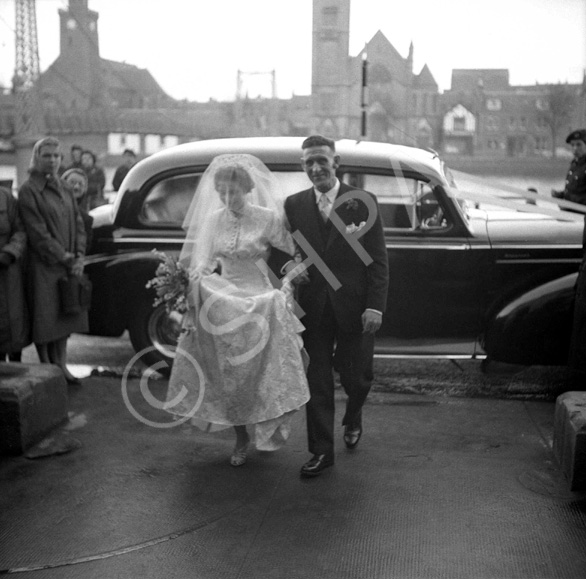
{"x":286,"y":151}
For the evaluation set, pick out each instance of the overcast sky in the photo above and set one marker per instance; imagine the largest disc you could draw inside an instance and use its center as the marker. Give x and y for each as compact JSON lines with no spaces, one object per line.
{"x":194,"y":48}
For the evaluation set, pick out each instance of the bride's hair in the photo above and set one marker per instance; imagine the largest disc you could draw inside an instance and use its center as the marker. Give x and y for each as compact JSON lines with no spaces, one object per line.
{"x":234,"y":174}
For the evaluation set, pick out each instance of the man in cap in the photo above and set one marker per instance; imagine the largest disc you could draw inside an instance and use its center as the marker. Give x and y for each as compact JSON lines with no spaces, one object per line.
{"x":575,"y":191}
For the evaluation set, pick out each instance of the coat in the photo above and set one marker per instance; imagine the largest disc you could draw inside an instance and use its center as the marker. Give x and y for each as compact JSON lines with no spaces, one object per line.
{"x":14,"y":320}
{"x":360,"y":286}
{"x":54,"y":226}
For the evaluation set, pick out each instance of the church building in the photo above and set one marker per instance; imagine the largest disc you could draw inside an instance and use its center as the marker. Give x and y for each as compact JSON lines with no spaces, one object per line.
{"x":402,"y":106}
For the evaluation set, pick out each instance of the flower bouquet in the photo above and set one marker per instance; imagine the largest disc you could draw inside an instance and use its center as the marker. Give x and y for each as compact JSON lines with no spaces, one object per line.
{"x":170,"y":282}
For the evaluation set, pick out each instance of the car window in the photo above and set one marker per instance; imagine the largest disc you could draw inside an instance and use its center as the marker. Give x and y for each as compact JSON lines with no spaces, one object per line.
{"x":405,"y":203}
{"x":169,"y":199}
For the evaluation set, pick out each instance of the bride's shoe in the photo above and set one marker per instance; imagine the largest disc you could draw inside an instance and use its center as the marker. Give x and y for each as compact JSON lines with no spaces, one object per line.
{"x":238,"y":457}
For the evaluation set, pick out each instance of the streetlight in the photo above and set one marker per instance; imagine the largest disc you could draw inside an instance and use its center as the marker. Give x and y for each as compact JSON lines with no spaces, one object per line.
{"x":363,"y":104}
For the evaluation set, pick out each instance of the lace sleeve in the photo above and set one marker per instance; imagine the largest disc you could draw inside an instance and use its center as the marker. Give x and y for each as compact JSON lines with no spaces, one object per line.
{"x":279,"y":237}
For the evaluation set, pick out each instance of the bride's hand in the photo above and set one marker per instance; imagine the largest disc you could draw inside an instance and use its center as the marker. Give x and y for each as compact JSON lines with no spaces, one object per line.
{"x":296,"y":272}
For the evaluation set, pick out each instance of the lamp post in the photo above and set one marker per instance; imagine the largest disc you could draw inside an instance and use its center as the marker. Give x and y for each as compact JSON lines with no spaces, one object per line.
{"x":363,"y":96}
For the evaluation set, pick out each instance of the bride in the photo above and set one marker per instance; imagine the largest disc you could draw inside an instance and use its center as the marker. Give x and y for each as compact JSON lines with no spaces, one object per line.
{"x":239,"y":358}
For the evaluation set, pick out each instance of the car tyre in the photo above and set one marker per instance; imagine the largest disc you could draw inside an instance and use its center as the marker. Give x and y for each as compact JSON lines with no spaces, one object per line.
{"x":155,"y":332}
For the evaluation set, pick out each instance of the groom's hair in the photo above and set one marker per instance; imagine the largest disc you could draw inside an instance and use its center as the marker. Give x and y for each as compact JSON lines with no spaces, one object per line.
{"x":318,"y":141}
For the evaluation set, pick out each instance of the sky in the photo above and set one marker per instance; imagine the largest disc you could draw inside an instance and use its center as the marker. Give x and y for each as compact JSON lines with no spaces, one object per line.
{"x":194,"y":48}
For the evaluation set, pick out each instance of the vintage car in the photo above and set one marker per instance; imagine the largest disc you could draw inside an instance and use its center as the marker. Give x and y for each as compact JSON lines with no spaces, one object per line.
{"x":466,"y":279}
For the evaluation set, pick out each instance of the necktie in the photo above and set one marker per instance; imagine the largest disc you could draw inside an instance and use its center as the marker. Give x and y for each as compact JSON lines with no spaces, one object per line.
{"x":324,"y":206}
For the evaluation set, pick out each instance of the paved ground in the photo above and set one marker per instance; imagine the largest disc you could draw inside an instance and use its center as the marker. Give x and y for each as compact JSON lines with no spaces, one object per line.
{"x":440,"y":487}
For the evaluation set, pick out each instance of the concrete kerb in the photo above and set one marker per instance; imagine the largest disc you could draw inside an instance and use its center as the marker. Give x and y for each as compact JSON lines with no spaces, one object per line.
{"x":33,"y":401}
{"x":569,"y":438}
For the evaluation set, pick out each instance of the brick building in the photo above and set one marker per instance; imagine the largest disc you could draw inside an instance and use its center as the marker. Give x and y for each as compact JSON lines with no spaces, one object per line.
{"x":484,"y":115}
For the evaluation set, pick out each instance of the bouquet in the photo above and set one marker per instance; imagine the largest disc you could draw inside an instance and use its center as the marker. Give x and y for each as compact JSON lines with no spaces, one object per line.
{"x":170,"y":282}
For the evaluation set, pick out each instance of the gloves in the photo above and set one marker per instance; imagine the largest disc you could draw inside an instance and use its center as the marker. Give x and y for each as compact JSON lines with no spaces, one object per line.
{"x":77,"y":267}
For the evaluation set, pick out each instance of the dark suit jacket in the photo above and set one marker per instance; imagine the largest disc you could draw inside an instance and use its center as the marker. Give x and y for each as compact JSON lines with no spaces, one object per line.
{"x":362,"y":286}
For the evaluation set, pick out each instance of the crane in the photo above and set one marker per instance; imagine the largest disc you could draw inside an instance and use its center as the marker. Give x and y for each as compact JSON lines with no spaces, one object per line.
{"x":28,"y":119}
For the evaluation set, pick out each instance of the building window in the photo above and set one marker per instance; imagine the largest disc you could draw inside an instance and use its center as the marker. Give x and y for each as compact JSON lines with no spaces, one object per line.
{"x":542,"y":123}
{"x":494,"y":104}
{"x":459,"y":124}
{"x":512,"y":123}
{"x":492,"y":144}
{"x":523,"y":123}
{"x":117,"y":142}
{"x":152,"y":144}
{"x":541,"y":104}
{"x":492,"y":124}
{"x":330,"y":16}
{"x":541,"y":145}
{"x":327,"y":103}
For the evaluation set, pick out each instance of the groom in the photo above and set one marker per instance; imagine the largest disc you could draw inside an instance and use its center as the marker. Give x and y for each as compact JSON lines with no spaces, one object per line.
{"x":343,"y":292}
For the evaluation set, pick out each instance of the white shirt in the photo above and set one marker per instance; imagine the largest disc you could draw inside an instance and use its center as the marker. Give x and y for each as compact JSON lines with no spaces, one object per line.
{"x":331,"y":195}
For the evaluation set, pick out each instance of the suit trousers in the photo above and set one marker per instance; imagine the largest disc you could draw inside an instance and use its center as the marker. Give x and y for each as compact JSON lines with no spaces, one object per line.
{"x":351,"y":354}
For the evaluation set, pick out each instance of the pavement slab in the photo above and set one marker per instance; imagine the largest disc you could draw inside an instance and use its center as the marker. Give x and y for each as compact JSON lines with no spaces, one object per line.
{"x":439,"y":487}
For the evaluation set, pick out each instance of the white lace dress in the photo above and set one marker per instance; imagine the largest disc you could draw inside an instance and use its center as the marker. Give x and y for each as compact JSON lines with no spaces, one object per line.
{"x":239,"y":359}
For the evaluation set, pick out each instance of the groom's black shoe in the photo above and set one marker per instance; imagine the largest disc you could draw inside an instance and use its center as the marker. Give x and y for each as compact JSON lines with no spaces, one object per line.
{"x":352,"y":436}
{"x":316,"y":465}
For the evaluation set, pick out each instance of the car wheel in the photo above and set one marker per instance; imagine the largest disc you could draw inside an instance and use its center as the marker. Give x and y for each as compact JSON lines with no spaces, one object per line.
{"x":156,"y":332}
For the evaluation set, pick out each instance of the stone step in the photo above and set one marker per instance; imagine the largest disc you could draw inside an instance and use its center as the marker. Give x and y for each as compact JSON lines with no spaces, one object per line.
{"x":569,"y":437}
{"x":33,"y":401}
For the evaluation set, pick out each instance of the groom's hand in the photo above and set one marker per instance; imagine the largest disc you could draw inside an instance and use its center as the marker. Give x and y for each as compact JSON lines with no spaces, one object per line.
{"x":371,"y":321}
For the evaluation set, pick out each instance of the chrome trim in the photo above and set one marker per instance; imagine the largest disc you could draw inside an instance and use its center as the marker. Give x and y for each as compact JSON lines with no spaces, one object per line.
{"x":458,"y":247}
{"x":517,"y":261}
{"x":148,"y":240}
{"x":431,"y":356}
{"x":497,"y":246}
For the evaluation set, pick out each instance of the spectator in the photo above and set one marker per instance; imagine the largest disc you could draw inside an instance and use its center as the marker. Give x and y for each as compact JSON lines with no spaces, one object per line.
{"x":14,"y":321}
{"x":56,"y":241}
{"x":76,"y":181}
{"x":75,"y":153}
{"x":96,"y":180}
{"x":129,"y":159}
{"x":575,"y":188}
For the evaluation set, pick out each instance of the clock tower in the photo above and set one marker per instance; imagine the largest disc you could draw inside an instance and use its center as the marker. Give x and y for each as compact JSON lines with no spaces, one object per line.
{"x":80,"y":52}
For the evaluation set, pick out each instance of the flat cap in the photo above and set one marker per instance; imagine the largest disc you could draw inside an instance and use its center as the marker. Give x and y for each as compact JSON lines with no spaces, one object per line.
{"x":578,"y":135}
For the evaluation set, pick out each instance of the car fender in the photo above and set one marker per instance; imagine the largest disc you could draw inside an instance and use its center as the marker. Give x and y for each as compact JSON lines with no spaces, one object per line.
{"x":119,"y":285}
{"x":535,"y":327}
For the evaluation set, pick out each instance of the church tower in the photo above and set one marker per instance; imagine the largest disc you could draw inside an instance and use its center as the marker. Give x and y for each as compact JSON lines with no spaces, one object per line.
{"x":330,"y":83}
{"x":80,"y":53}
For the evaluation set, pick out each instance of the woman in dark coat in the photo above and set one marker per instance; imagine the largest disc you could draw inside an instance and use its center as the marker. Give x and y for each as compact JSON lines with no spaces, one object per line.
{"x":57,"y":239}
{"x":14,"y":322}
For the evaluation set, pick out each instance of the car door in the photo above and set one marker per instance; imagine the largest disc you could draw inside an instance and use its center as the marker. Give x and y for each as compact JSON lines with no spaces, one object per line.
{"x":435,"y":278}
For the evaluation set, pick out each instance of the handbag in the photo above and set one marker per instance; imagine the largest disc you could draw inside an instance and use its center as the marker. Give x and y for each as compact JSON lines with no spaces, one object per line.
{"x":75,"y":294}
